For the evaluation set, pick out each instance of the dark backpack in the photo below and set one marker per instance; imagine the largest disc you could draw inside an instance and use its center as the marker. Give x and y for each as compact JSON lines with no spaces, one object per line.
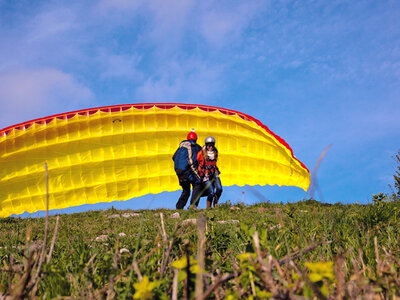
{"x":186,"y":155}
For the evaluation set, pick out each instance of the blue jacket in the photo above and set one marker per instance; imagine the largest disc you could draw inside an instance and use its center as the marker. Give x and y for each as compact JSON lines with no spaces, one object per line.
{"x":185,"y":157}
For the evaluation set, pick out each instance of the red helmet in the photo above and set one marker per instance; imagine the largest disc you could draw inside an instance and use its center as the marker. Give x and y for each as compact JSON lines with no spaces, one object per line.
{"x":192,"y":136}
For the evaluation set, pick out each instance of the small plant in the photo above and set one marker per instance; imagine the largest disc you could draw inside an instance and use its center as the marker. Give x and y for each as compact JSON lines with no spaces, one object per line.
{"x":396,"y":175}
{"x":378,"y":213}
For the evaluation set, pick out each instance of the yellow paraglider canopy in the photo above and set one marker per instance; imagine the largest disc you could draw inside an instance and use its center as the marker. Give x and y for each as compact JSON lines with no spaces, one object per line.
{"x":124,"y":151}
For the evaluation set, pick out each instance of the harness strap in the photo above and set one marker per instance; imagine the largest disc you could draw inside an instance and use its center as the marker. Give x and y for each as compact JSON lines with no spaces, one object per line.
{"x":188,"y":146}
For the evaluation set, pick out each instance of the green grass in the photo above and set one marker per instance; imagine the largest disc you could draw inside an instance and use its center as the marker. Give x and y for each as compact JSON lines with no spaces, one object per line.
{"x":349,"y":236}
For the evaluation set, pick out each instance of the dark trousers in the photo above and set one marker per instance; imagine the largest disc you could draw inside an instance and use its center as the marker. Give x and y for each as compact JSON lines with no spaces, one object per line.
{"x":212,"y":188}
{"x":185,"y":181}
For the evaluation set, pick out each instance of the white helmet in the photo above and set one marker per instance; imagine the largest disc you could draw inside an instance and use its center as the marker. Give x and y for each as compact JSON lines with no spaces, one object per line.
{"x":209,"y":140}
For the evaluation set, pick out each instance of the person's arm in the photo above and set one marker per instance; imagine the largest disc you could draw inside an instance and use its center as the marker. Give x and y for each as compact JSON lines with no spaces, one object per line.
{"x":173,"y":157}
{"x":216,"y":160}
{"x":200,"y":160}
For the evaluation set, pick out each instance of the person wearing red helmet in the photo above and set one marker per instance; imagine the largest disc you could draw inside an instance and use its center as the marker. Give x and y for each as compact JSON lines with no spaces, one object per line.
{"x":185,"y":164}
{"x":192,"y":136}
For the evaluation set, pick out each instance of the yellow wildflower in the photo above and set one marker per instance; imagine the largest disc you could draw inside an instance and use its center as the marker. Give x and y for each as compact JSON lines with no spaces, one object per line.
{"x":144,"y":289}
{"x":245,"y":256}
{"x":320,"y":270}
{"x":182,"y":264}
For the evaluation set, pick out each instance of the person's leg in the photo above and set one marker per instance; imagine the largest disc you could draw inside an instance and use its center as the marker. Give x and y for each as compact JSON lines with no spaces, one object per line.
{"x":196,"y":194}
{"x":208,"y":190}
{"x":218,"y":190}
{"x":184,"y":183}
{"x":209,"y":203}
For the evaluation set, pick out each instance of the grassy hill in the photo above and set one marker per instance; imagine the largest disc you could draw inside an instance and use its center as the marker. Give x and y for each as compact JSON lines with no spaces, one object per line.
{"x":307,"y":249}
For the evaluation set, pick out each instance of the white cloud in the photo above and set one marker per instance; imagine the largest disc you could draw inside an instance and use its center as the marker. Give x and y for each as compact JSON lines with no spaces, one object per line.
{"x":168,"y":23}
{"x":49,"y":35}
{"x":31,"y":93}
{"x":52,"y":24}
{"x":169,"y":29}
{"x":172,"y":19}
{"x":186,"y":81}
{"x":105,"y":6}
{"x":221,"y":26}
{"x":120,"y":66}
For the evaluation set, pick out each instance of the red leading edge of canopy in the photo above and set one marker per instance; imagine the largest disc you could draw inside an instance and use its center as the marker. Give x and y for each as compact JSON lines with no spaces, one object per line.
{"x":122,"y":107}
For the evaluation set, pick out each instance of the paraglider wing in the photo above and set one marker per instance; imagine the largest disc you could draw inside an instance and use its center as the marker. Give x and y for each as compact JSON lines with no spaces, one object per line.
{"x":124,"y":151}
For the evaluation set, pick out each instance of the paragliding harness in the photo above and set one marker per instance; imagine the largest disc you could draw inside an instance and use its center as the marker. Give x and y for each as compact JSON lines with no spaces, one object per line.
{"x":185,"y":160}
{"x":209,"y":166}
{"x":209,"y":171}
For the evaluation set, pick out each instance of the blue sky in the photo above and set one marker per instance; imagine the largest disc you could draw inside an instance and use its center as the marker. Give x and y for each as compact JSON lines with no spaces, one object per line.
{"x":315,"y":72}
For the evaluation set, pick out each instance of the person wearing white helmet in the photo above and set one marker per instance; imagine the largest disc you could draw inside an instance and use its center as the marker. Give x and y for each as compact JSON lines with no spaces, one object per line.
{"x":209,"y":172}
